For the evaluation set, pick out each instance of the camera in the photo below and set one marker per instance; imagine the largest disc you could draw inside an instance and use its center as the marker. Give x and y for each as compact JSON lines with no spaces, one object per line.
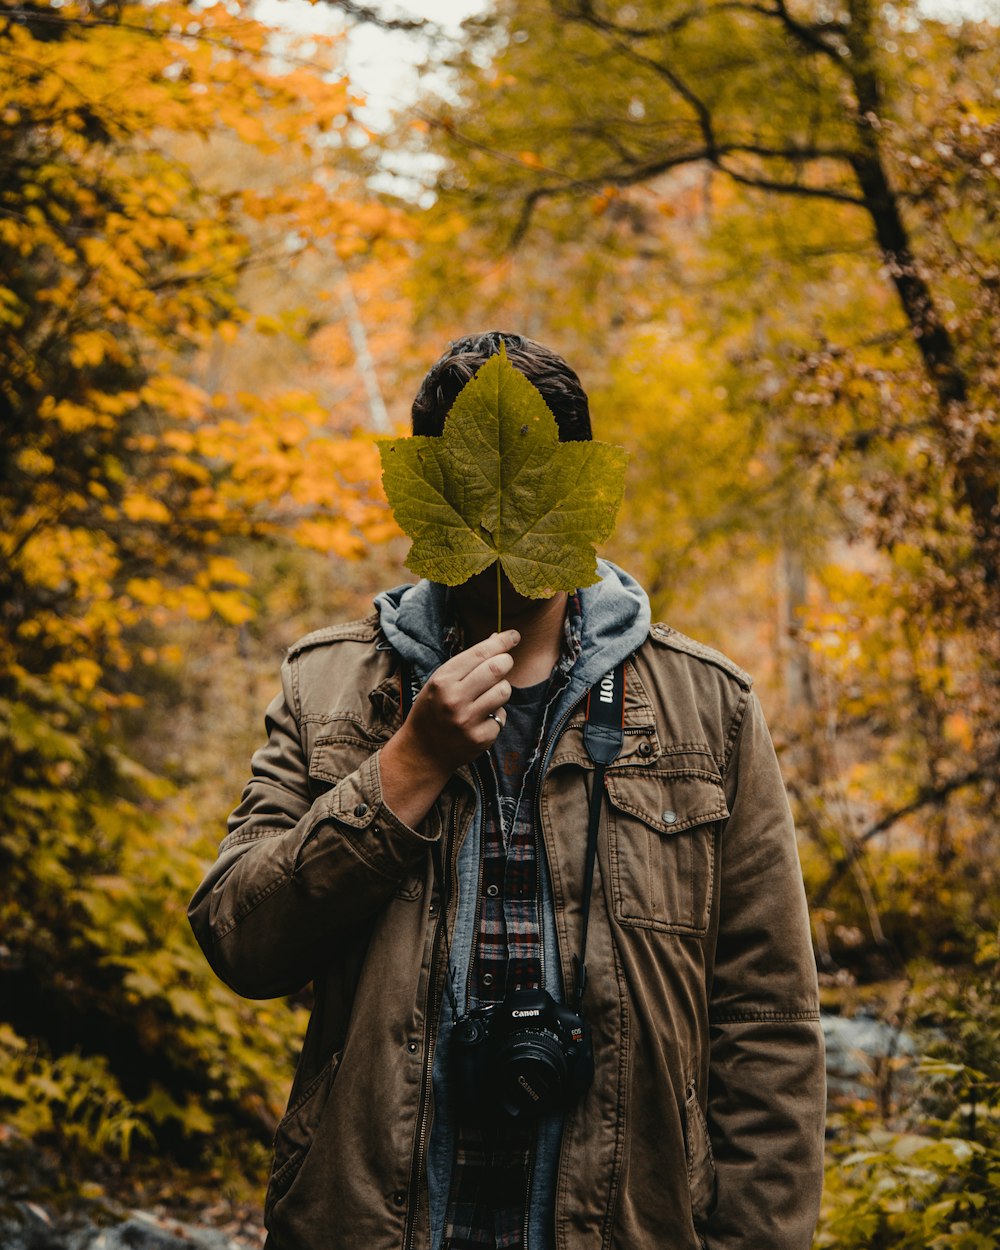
{"x":523,"y":1057}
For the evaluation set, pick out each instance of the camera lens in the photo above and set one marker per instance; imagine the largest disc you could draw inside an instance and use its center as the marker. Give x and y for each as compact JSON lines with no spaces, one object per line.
{"x":532,"y":1070}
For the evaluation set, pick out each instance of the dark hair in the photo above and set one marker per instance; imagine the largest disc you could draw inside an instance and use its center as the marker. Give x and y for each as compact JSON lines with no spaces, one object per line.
{"x":558,"y":384}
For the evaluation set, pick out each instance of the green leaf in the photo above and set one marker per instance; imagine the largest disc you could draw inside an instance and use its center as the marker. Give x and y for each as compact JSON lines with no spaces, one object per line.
{"x":498,"y":485}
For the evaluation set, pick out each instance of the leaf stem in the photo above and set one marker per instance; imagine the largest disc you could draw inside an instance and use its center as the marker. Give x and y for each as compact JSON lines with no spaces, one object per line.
{"x":499,"y":616}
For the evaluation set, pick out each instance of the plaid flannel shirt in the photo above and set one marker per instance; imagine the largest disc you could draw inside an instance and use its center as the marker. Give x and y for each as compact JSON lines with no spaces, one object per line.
{"x":491,"y":1178}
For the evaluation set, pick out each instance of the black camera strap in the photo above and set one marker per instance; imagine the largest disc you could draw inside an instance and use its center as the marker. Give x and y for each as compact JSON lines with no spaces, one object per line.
{"x":603,"y":737}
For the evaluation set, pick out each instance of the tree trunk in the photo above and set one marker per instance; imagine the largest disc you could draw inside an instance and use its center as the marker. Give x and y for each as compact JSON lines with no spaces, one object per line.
{"x":973,"y":461}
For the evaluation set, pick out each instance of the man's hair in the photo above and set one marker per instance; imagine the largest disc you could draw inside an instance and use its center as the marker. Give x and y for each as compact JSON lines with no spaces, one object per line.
{"x":558,"y":384}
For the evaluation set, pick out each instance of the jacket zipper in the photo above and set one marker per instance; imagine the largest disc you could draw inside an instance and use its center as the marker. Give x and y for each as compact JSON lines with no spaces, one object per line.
{"x":540,"y":838}
{"x":479,"y":891}
{"x":527,"y":1194}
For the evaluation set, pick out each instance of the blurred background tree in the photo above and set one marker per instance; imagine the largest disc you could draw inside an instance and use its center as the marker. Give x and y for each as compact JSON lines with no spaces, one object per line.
{"x":155,"y":164}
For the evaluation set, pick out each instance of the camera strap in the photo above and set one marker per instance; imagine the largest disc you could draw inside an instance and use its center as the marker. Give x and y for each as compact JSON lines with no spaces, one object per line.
{"x":603,"y":737}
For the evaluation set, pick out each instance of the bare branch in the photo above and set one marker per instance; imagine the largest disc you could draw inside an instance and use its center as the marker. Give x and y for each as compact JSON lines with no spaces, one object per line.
{"x":810,"y":37}
{"x":372,"y":16}
{"x":583,"y":12}
{"x":793,"y":188}
{"x":664,"y":71}
{"x":641,"y":173}
{"x":644,"y":173}
{"x":795,"y":154}
{"x":929,"y":796}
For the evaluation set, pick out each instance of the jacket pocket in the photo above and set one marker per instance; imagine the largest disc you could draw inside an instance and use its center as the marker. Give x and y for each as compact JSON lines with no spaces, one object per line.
{"x":700,"y":1164}
{"x":661,"y":831}
{"x":295,"y":1132}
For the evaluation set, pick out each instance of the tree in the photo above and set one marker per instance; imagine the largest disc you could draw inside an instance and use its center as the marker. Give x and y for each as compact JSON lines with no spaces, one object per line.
{"x":817,"y":104}
{"x":126,"y":490}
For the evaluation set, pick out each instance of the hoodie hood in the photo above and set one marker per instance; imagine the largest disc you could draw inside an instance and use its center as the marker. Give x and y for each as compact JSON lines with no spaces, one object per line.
{"x":615,"y":611}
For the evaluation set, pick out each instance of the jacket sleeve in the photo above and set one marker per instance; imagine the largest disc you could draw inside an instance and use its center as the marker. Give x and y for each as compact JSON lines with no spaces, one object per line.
{"x":767,"y":1084}
{"x":294,"y":876}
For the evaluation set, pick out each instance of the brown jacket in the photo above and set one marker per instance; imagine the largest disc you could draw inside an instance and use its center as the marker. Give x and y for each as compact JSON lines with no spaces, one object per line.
{"x":704,"y":1125}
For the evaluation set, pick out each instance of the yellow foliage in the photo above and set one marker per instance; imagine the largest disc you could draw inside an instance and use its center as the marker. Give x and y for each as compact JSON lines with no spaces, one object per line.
{"x":122,"y":255}
{"x":34,"y":462}
{"x":81,"y":673}
{"x":221,"y":569}
{"x":72,"y":417}
{"x":148,"y":591}
{"x":141,"y":507}
{"x":230,"y":606}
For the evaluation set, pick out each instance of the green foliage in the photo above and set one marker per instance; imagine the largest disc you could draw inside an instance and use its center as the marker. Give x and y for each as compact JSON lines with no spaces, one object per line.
{"x":499,"y":486}
{"x":911,"y":1192}
{"x":963,"y":1060}
{"x":99,"y":866}
{"x":72,"y":1101}
{"x":124,"y":488}
{"x":936,"y":1185}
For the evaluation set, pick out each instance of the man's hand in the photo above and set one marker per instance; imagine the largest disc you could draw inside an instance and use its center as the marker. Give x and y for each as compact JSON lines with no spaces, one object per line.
{"x":454,"y":719}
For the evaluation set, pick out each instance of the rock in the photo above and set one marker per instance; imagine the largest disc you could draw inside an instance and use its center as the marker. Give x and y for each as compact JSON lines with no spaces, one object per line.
{"x":27,"y":1226}
{"x":855,"y":1047}
{"x":142,"y":1231}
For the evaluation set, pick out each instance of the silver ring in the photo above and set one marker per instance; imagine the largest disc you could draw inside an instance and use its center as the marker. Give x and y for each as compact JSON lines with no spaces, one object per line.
{"x":493,"y":716}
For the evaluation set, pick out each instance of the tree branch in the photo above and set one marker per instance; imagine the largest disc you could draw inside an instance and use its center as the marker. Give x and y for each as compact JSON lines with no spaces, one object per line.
{"x":809,"y":36}
{"x":664,"y":71}
{"x":793,"y":188}
{"x":372,"y":16}
{"x":653,"y":169}
{"x":929,"y":796}
{"x":584,"y":12}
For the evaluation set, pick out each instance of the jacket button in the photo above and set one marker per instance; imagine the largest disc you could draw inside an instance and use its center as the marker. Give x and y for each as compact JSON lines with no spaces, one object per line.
{"x":399,"y":1197}
{"x":411,"y":1047}
{"x":645,"y":748}
{"x":669,"y":817}
{"x":487,"y":978}
{"x":492,"y":890}
{"x":361,"y":809}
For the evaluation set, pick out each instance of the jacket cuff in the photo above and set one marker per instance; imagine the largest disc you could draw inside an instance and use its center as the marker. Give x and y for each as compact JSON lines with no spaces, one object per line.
{"x":356,"y":811}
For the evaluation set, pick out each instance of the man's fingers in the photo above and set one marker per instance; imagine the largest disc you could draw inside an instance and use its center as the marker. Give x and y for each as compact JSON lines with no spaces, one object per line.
{"x":485,"y":676}
{"x":461,"y":707}
{"x":492,"y":700}
{"x":461,"y":665}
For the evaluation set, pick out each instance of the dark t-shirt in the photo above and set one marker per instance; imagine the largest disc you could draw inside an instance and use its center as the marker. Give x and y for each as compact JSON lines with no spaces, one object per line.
{"x":516,"y":743}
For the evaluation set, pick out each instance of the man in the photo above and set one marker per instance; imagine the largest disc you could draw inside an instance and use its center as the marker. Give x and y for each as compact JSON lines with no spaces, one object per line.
{"x":420,"y":863}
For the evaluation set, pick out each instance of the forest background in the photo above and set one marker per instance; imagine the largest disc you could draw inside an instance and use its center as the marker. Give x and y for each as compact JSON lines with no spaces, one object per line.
{"x":763,"y":231}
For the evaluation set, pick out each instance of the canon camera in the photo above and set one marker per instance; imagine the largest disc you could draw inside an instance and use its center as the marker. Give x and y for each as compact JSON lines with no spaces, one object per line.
{"x":523,"y":1057}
